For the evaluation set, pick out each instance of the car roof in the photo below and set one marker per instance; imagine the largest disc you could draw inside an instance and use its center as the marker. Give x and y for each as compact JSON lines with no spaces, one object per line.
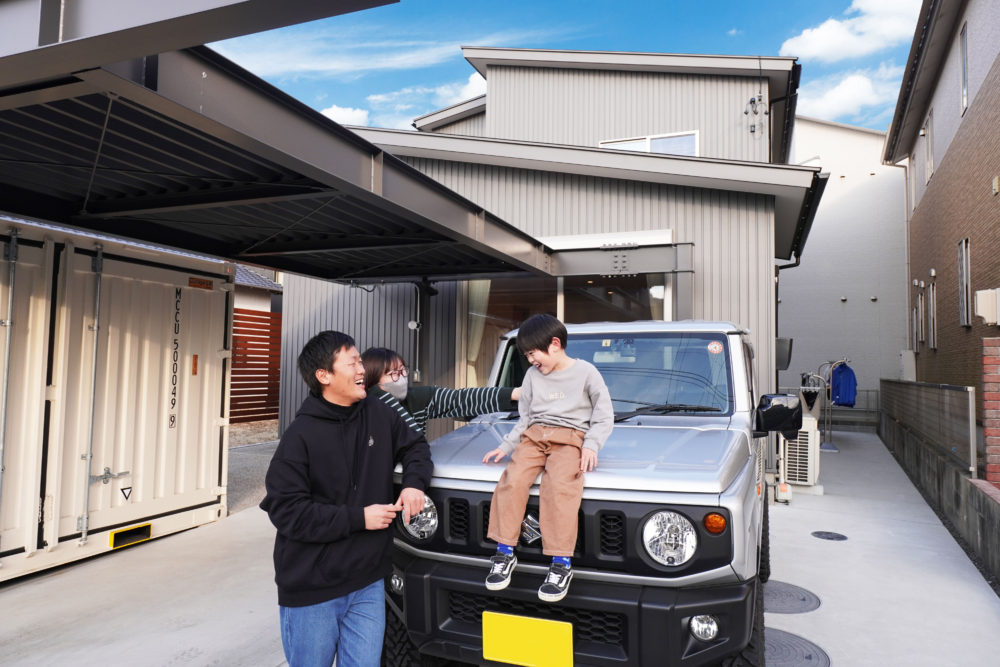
{"x":652,"y":326}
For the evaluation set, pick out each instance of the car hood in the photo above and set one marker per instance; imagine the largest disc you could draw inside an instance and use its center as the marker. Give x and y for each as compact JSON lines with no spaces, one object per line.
{"x":658,"y":454}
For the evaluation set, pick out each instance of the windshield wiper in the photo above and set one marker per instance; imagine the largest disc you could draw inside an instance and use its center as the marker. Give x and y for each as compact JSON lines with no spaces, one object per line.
{"x":666,"y":407}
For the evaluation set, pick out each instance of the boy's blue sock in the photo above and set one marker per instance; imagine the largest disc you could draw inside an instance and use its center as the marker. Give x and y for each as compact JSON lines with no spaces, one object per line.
{"x":562,"y":560}
{"x":505,"y":549}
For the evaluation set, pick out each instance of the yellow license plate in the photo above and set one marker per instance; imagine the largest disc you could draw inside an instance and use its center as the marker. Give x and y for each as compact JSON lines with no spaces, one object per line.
{"x":534,"y":642}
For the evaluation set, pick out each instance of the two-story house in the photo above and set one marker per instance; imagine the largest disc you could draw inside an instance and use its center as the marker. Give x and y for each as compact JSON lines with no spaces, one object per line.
{"x":660,"y":180}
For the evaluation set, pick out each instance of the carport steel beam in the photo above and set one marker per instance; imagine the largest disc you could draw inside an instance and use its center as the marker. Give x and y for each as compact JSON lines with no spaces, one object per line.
{"x":198,"y":88}
{"x":45,"y":39}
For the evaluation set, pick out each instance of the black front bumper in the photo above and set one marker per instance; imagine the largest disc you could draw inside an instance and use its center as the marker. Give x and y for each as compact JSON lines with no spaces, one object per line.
{"x":614,"y":624}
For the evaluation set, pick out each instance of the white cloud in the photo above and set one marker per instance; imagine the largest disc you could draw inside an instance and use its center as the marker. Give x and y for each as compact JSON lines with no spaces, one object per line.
{"x":850,"y":95}
{"x":732,"y":32}
{"x":346,"y":115}
{"x":323,"y":52}
{"x":398,"y":108}
{"x":870,"y":26}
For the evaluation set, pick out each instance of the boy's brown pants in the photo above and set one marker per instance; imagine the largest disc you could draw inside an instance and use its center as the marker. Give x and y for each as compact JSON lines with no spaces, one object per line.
{"x":553,"y":451}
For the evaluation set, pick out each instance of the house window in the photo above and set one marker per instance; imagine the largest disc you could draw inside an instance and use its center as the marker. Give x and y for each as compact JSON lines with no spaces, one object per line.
{"x":920,"y":318}
{"x":964,"y":285}
{"x":965,"y":67}
{"x":677,"y":143}
{"x":932,"y":316}
{"x":928,"y":132}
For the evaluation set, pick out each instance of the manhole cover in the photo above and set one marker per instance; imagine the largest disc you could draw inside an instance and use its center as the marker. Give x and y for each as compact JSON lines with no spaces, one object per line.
{"x":782,"y":598}
{"x":827,"y":535}
{"x":783,"y":649}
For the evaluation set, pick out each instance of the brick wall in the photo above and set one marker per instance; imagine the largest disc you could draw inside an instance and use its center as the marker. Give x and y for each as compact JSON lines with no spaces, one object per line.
{"x":959,"y":203}
{"x":991,"y":407}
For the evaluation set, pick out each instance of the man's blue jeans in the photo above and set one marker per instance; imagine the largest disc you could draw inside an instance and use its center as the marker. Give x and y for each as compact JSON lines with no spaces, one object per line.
{"x":349,"y":628}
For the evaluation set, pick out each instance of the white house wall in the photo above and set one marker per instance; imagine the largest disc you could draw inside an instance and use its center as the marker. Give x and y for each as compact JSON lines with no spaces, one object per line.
{"x":586,"y":107}
{"x":857,"y":251}
{"x":473,"y":126}
{"x":732,"y":233}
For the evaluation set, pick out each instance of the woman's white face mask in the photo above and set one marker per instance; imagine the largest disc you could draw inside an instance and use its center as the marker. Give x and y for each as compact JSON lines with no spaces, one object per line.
{"x":397,"y":388}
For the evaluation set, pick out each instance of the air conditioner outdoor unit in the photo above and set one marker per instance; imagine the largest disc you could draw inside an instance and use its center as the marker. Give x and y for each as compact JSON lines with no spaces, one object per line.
{"x":800,"y":455}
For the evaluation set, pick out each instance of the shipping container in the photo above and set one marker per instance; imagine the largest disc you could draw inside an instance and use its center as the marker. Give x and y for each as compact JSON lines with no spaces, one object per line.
{"x":113,"y":421}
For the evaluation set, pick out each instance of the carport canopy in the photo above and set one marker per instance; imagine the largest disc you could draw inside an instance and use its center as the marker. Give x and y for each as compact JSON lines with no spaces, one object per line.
{"x":187,"y":150}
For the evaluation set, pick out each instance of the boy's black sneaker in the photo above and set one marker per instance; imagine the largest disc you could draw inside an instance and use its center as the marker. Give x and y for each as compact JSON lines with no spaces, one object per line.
{"x":556,"y":583}
{"x":502,"y":566}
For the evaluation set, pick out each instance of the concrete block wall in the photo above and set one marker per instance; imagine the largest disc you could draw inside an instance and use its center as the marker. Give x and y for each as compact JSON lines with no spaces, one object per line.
{"x":972,"y":506}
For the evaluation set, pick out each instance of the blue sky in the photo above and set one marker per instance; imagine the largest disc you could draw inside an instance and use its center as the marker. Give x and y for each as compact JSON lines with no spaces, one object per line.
{"x":388,"y":65}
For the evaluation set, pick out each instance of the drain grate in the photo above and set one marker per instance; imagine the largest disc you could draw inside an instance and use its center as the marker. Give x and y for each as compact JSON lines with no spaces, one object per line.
{"x":782,"y":598}
{"x":783,"y":649}
{"x":827,"y":535}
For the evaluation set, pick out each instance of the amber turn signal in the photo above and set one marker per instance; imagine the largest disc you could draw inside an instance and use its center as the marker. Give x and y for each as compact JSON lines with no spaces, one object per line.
{"x":715,"y":523}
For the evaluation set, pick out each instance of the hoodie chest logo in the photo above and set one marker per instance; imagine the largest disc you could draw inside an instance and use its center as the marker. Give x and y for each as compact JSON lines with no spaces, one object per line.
{"x":371,"y":440}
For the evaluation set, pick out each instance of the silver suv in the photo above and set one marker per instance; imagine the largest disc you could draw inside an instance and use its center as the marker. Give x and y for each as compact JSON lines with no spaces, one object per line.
{"x":672,"y":546}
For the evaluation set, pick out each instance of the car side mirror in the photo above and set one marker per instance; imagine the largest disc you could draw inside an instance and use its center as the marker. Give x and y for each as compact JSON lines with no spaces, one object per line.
{"x":778,"y":412}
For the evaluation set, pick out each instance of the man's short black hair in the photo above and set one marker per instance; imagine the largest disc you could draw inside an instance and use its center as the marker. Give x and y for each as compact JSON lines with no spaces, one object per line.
{"x":537,"y":332}
{"x":320,"y":352}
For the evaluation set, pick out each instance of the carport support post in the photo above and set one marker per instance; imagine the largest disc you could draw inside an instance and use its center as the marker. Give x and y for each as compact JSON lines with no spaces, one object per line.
{"x":424,"y":293}
{"x":991,"y":407}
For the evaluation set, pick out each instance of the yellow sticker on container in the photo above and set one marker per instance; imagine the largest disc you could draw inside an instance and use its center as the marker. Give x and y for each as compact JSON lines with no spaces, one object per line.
{"x":533,"y":642}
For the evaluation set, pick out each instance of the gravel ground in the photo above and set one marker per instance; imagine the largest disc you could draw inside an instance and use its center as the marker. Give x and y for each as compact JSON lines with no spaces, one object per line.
{"x":250,"y":448}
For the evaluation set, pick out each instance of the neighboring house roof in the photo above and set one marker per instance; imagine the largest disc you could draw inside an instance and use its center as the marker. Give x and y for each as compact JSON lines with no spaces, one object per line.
{"x":452,"y":114}
{"x":842,"y":126}
{"x":928,"y":52}
{"x":248,"y":278}
{"x":797,"y":190}
{"x":782,"y":74}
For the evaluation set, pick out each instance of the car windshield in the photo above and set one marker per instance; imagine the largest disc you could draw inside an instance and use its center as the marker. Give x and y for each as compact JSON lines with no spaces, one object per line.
{"x":654,"y":373}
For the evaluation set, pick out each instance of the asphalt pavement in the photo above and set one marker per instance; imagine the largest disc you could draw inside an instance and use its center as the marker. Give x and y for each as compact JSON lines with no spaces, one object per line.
{"x":864,"y":574}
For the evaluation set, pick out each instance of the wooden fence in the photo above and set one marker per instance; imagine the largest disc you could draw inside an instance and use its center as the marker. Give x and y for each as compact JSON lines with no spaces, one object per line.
{"x":256,"y":365}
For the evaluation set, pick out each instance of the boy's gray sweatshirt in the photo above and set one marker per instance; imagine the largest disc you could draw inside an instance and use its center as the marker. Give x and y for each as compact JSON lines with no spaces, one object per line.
{"x":574,"y":397}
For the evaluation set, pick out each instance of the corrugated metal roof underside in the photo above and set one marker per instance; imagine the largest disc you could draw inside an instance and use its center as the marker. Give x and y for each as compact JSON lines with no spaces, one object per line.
{"x":109,"y":164}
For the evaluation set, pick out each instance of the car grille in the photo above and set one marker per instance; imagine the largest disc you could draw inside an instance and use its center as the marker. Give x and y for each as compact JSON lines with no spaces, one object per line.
{"x":589,"y":626}
{"x":612,"y":534}
{"x":460,"y":527}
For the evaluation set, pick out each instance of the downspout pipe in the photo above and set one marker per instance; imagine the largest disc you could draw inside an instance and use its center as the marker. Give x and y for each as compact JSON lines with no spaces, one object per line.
{"x":8,"y":324}
{"x":97,"y":265}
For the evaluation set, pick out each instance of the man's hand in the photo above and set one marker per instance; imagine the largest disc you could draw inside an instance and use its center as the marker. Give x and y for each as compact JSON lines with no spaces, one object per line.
{"x":378,"y":517}
{"x":411,"y":501}
{"x":588,"y":459}
{"x":495,"y":454}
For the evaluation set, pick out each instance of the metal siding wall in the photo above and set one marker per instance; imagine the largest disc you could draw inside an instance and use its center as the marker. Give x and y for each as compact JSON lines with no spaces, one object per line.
{"x":733,"y":232}
{"x":378,"y":318}
{"x":585,"y":107}
{"x":473,"y":126}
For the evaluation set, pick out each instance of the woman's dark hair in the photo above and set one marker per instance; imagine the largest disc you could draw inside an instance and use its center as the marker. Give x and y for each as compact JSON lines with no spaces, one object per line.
{"x":320,"y":352}
{"x":537,"y":332}
{"x":378,"y":361}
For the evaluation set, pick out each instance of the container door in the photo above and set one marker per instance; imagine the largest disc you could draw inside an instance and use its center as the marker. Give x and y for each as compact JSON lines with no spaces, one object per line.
{"x":156,"y":393}
{"x":24,"y":393}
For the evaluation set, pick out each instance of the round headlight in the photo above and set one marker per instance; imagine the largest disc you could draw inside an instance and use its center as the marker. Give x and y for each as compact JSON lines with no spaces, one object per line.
{"x":424,"y":524}
{"x":669,"y":538}
{"x":705,"y":628}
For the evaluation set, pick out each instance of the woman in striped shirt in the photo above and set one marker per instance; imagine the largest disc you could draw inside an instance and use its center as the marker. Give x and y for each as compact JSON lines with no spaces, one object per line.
{"x":387,"y":375}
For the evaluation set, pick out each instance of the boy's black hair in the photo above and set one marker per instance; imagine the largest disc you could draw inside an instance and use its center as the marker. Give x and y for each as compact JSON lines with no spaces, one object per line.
{"x":537,"y":332}
{"x":378,"y":361}
{"x":320,"y":352}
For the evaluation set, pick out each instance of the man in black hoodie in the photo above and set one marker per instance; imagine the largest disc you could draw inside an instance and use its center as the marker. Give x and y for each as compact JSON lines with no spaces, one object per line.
{"x":330,"y":496}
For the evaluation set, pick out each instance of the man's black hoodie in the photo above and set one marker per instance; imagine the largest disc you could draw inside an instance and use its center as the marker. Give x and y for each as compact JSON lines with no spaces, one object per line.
{"x":330,"y":464}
